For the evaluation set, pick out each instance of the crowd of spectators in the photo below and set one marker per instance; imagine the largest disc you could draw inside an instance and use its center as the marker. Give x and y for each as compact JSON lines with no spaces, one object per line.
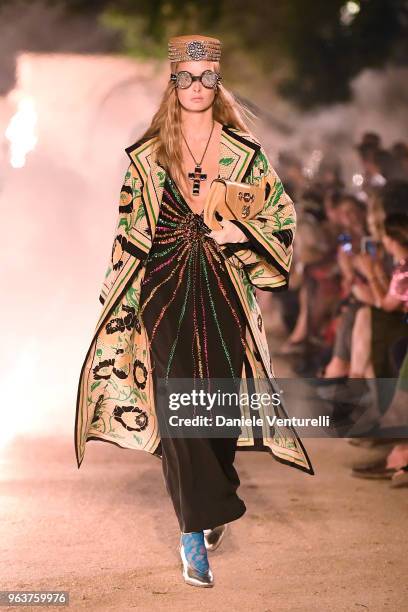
{"x":347,"y":306}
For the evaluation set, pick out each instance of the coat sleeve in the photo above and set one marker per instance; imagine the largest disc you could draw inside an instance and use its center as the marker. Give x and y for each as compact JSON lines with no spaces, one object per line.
{"x":130,"y":215}
{"x":267,"y":255}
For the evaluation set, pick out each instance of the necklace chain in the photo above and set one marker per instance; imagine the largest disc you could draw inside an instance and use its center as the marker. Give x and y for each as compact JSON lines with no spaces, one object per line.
{"x":206,"y":146}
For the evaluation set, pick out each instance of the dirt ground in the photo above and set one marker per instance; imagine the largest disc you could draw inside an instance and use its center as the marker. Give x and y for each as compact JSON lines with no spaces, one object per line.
{"x":107,"y":533}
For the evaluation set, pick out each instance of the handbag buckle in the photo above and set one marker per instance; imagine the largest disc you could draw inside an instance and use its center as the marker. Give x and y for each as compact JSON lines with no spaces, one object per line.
{"x":246,"y":196}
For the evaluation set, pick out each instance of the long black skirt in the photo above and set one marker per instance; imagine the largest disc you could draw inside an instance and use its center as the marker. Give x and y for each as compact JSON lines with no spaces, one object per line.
{"x":196,"y":329}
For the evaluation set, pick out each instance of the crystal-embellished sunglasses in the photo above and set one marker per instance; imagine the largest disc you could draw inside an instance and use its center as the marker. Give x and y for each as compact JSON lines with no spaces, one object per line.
{"x":184,"y":79}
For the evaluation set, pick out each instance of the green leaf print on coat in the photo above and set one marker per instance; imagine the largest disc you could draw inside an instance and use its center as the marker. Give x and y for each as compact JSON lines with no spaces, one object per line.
{"x":261,"y":165}
{"x":132,"y":297}
{"x":281,"y":221}
{"x":278,"y":192}
{"x":258,"y":169}
{"x":135,"y":189}
{"x":226,"y":161}
{"x":278,"y":221}
{"x":140,"y":213}
{"x":125,"y":223}
{"x":116,"y":310}
{"x":275,"y":196}
{"x":261,"y":161}
{"x":249,"y":290}
{"x":258,"y":273}
{"x":162,"y":177}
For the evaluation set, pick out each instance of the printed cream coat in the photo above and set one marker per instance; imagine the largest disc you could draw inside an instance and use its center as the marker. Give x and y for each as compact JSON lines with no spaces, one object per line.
{"x":115,"y":400}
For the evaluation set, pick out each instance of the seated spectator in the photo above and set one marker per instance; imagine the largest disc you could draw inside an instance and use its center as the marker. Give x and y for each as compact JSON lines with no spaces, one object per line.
{"x":386,"y":302}
{"x":351,"y":219}
{"x":392,"y":464}
{"x":383,"y":319}
{"x":315,"y":251}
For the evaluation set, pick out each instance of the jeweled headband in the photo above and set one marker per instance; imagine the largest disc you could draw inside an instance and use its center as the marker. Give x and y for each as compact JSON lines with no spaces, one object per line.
{"x":194,"y":47}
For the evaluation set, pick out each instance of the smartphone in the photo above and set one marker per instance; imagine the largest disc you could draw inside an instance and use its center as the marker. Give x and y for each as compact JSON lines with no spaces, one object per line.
{"x":345,"y":242}
{"x":369,"y":245}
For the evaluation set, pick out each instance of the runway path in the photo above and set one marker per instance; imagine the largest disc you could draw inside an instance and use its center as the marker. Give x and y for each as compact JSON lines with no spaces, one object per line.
{"x":107,"y":533}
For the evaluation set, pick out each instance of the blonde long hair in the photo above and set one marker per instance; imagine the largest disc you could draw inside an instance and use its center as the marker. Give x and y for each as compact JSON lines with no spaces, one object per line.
{"x":166,"y":122}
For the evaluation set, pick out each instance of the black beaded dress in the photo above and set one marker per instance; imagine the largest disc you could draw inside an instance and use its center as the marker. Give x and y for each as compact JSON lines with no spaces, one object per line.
{"x":196,"y":329}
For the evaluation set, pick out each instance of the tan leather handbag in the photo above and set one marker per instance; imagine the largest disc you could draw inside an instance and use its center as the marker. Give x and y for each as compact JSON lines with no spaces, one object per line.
{"x":233,"y":200}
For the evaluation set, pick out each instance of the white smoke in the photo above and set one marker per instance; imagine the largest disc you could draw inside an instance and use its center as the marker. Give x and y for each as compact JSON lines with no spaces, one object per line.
{"x":59,"y":209}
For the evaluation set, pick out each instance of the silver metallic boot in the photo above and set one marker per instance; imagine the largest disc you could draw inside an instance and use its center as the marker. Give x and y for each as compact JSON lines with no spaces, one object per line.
{"x":196,"y":569}
{"x":214,"y":537}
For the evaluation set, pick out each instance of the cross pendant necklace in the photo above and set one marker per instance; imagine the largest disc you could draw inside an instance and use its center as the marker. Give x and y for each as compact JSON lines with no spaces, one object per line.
{"x":197,"y":176}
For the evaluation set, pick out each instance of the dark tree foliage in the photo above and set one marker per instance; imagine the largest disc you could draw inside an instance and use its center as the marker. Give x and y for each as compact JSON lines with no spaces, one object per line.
{"x":315,"y":53}
{"x":327,"y":54}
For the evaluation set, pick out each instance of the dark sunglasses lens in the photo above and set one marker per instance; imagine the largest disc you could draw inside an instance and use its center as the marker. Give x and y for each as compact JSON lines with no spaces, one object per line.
{"x":209,"y":78}
{"x":184,"y":79}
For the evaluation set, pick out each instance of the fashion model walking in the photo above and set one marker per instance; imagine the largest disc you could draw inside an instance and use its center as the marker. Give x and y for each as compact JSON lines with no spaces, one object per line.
{"x":179,"y":300}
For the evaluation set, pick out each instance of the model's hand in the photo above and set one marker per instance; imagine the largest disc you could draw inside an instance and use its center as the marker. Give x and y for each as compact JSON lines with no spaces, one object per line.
{"x":229,"y":233}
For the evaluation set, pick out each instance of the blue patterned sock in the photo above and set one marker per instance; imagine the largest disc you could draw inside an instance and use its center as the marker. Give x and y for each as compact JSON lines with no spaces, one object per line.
{"x":195,"y":550}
